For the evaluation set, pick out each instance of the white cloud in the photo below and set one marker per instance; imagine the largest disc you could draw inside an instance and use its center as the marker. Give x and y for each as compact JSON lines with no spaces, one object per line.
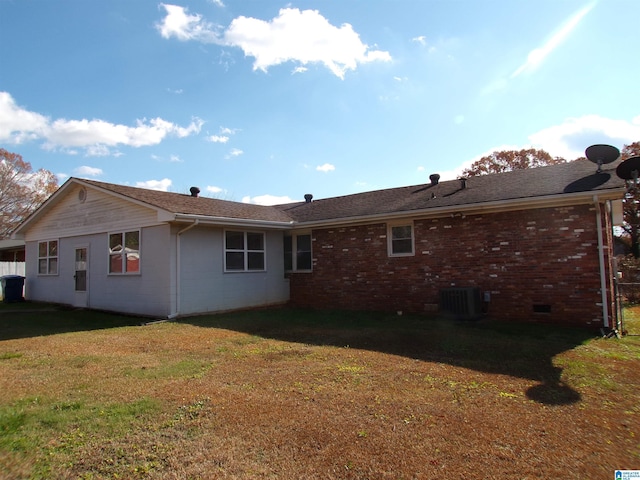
{"x":97,"y":151}
{"x":570,"y":139}
{"x":537,"y":56}
{"x":299,"y":70}
{"x":183,"y":26}
{"x":212,"y":189}
{"x":294,"y":35}
{"x":223,"y":136}
{"x":175,"y":159}
{"x":218,"y":138}
{"x":235,"y":152}
{"x":88,"y":171}
{"x":18,"y":125}
{"x":327,"y":167}
{"x":162,"y":185}
{"x":422,"y":40}
{"x":267,"y":200}
{"x":301,"y":36}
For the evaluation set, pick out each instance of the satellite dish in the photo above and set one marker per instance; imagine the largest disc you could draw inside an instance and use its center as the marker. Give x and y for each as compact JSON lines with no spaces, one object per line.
{"x":601,"y":155}
{"x":628,"y":170}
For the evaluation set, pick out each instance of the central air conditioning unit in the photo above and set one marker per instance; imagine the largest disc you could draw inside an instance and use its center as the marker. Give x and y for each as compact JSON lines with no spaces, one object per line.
{"x":464,"y":303}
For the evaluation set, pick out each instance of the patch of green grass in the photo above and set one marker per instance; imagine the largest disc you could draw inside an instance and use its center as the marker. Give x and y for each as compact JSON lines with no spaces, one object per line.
{"x":68,"y":424}
{"x":9,"y":355}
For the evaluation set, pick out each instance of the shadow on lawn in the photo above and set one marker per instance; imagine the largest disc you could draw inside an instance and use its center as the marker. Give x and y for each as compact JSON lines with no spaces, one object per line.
{"x":26,"y":319}
{"x":514,"y":349}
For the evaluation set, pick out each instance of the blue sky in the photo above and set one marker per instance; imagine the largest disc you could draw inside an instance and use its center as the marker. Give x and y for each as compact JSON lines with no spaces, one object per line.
{"x":263,"y":101}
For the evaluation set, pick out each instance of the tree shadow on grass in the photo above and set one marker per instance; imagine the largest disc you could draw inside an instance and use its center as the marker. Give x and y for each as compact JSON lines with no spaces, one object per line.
{"x":514,"y":349}
{"x":26,"y":319}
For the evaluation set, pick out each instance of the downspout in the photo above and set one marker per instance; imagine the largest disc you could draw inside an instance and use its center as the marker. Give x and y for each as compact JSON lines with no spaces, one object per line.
{"x":178,"y":254}
{"x":603,"y":277}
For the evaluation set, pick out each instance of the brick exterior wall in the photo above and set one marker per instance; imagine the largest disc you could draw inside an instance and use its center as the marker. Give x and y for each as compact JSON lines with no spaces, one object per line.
{"x":547,"y":258}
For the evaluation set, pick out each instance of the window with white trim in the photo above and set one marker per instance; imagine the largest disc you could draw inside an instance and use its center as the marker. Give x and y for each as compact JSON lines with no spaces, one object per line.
{"x":48,"y":257}
{"x":124,"y":252}
{"x":244,"y":251}
{"x":400,"y":239}
{"x":297,"y":252}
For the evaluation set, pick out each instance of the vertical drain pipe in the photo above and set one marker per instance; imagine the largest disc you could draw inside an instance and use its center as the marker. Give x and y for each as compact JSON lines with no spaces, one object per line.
{"x":603,"y":278}
{"x":178,"y":254}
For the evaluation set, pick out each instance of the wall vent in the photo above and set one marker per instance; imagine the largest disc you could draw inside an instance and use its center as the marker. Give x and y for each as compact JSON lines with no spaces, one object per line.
{"x":463,"y":303}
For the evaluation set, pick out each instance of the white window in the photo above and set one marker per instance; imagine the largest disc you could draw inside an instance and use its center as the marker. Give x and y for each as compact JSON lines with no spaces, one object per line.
{"x":400,"y":239}
{"x":297,"y":252}
{"x":124,"y":252}
{"x":48,"y":257}
{"x":243,"y":251}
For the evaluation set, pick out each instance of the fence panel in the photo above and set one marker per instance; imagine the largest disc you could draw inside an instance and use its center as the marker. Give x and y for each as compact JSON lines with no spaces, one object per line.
{"x":12,"y":268}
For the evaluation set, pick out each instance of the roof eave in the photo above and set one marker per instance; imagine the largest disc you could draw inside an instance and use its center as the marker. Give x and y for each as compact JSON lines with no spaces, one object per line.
{"x":558,"y":200}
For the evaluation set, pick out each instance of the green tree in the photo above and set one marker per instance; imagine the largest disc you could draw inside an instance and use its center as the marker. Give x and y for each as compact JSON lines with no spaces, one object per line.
{"x":22,"y":190}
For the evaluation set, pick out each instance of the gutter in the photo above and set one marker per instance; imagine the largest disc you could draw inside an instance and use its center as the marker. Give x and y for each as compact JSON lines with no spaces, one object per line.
{"x":603,"y":278}
{"x":229,"y":221}
{"x":178,"y":253}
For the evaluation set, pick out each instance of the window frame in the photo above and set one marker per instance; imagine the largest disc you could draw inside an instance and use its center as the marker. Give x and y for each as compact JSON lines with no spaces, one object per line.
{"x":245,"y":250}
{"x":390,"y":239}
{"x":48,"y":257}
{"x":295,"y":252}
{"x":124,"y":255}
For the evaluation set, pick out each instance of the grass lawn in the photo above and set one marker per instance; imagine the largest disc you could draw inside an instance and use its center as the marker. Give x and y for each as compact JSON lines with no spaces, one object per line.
{"x":297,"y":394}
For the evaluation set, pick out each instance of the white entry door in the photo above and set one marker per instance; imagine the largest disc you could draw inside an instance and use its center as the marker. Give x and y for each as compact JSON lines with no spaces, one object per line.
{"x":81,"y":276}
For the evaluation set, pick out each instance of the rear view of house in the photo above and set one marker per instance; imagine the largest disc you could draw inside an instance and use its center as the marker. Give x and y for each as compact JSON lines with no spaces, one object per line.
{"x":527,"y":245}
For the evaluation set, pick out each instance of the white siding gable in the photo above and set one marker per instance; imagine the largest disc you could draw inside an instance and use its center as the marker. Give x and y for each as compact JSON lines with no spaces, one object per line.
{"x":98,"y":212}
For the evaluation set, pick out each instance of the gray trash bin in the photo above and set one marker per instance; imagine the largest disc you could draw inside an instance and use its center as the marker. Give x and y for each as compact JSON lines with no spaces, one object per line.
{"x":12,"y":286}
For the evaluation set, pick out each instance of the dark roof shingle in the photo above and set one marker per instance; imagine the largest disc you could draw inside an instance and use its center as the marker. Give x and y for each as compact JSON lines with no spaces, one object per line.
{"x":567,"y":178}
{"x":571,"y":177}
{"x":188,"y":205}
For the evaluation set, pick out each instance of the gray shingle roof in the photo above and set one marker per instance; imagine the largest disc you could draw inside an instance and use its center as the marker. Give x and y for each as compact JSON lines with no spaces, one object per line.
{"x":188,"y":205}
{"x":571,"y":177}
{"x":568,"y":178}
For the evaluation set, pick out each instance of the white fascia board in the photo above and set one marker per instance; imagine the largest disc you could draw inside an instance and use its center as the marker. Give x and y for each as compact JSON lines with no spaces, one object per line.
{"x":233,"y":222}
{"x":560,"y":200}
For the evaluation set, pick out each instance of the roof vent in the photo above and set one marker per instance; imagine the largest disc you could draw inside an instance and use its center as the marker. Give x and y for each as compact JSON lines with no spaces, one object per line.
{"x":308,"y":197}
{"x":435,"y":178}
{"x":194,"y":191}
{"x":463,"y":183}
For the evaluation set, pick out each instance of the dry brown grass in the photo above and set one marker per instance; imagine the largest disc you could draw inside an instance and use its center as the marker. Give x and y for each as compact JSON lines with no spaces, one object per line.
{"x":285,"y":394}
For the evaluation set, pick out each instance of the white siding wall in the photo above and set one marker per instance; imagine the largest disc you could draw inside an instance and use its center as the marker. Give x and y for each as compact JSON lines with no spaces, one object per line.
{"x":205,"y":287}
{"x":98,"y":213}
{"x":145,"y":294}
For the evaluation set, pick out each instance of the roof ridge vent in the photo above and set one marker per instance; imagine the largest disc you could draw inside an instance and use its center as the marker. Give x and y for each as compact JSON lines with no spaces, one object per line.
{"x":194,"y":191}
{"x":435,"y":178}
{"x":308,"y":197}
